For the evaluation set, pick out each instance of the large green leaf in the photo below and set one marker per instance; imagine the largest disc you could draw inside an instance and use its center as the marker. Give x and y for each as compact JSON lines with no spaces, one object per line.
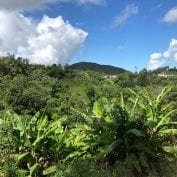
{"x":22,"y":173}
{"x":170,"y":149}
{"x":35,"y":169}
{"x":42,"y":123}
{"x":165,"y":119}
{"x":20,"y":125}
{"x":24,"y":158}
{"x":50,"y":170}
{"x":107,"y":149}
{"x":97,"y":109}
{"x":169,"y":132}
{"x":37,"y":144}
{"x":162,"y":95}
{"x":122,"y":101}
{"x":135,"y":132}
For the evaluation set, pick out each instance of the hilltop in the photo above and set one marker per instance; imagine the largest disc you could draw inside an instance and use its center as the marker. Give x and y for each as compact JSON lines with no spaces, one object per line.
{"x":105,"y":69}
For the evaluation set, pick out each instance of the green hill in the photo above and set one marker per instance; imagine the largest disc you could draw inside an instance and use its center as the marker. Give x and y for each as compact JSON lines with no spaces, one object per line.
{"x":105,"y":69}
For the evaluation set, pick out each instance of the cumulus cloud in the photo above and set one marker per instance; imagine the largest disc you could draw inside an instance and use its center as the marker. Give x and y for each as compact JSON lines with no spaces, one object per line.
{"x":158,"y":60}
{"x":125,"y":14}
{"x":32,"y":4}
{"x":171,"y":16}
{"x":15,"y":29}
{"x":50,"y":41}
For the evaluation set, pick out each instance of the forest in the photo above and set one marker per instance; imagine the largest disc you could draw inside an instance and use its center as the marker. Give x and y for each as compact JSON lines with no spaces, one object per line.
{"x":60,"y":121}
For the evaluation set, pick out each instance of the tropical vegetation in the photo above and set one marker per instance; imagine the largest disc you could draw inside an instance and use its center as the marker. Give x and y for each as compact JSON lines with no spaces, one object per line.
{"x":63,"y":122}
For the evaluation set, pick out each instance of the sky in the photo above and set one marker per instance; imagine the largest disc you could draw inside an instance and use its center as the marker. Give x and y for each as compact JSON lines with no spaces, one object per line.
{"x":125,"y":33}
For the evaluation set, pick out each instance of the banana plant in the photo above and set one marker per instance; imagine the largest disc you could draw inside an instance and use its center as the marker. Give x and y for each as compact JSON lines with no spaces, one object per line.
{"x":156,"y":114}
{"x":114,"y":129}
{"x":33,"y":140}
{"x":41,"y":144}
{"x":133,"y":126}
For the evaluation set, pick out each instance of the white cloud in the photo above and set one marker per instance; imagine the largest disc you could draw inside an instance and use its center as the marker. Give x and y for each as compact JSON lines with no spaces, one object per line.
{"x":32,"y":4}
{"x":50,"y":41}
{"x":125,"y":14}
{"x":171,"y":16}
{"x":15,"y":30}
{"x":158,"y":60}
{"x":172,"y":51}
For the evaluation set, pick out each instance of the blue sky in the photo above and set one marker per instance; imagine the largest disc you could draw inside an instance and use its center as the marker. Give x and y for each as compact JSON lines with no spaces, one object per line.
{"x":121,"y":33}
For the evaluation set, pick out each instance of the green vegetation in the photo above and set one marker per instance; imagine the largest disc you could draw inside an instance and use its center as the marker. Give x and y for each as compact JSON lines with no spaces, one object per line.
{"x":104,"y":69}
{"x":56,"y":121}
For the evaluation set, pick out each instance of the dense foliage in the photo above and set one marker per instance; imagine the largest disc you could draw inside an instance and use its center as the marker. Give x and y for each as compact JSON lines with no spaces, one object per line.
{"x":55,"y":121}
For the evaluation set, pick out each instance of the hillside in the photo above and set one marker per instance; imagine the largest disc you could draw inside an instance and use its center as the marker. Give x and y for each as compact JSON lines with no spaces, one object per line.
{"x":106,"y":69}
{"x":52,"y":116}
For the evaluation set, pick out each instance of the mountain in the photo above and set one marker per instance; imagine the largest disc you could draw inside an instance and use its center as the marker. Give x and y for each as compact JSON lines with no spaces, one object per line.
{"x":105,"y":69}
